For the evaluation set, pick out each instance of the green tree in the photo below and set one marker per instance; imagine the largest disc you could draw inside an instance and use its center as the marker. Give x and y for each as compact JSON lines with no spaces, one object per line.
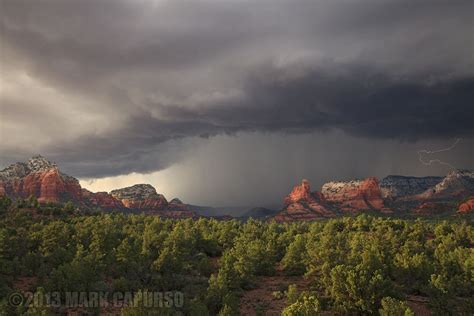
{"x":292,"y":294}
{"x":355,"y":289}
{"x":38,"y":306}
{"x":394,"y":307}
{"x":294,"y":260}
{"x":198,"y":308}
{"x":306,"y":305}
{"x":5,"y":203}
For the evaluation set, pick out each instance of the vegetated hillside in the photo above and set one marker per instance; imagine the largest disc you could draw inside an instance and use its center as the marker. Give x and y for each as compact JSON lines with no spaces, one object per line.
{"x":350,"y":265}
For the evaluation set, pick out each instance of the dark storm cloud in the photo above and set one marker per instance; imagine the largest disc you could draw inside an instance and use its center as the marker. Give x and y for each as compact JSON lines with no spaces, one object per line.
{"x":358,"y":102}
{"x":136,"y":78}
{"x":142,"y":145}
{"x":383,"y":109}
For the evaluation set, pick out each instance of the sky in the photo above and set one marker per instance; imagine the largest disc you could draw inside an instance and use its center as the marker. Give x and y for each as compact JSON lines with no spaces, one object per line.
{"x":228,"y":103}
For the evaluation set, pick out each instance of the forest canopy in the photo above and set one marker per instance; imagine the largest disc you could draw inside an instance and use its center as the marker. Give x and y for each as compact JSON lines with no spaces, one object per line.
{"x":351,"y":265}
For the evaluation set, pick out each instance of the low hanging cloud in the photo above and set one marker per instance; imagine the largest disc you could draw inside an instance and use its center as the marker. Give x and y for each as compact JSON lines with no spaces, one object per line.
{"x":113,"y":87}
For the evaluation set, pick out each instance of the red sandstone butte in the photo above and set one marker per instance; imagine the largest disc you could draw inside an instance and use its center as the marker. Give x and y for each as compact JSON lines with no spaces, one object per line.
{"x":302,"y":204}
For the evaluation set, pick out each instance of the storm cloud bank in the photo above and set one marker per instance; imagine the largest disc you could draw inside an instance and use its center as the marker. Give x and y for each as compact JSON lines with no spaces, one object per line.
{"x":113,"y":87}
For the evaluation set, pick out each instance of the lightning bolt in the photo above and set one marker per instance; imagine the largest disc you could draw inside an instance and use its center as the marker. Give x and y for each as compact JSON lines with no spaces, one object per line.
{"x":432,"y":161}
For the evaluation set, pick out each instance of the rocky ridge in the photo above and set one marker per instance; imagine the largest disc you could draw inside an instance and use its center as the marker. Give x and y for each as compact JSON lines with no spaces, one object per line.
{"x":417,"y":195}
{"x":458,"y":183}
{"x":102,"y":200}
{"x":402,"y":187}
{"x":42,"y":179}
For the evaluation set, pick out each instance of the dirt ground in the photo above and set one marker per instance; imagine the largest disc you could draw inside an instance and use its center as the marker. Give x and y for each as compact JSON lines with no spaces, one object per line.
{"x":261,"y":298}
{"x":419,"y":305}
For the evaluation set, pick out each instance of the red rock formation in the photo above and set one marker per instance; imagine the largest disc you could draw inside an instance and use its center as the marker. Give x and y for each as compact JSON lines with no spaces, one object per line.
{"x":303,"y":193}
{"x":156,"y":203}
{"x":141,"y":197}
{"x":429,"y":208}
{"x":144,"y":198}
{"x":299,"y":212}
{"x":40,"y":178}
{"x":466,"y":207}
{"x":101,"y":200}
{"x":47,"y":186}
{"x":302,"y":204}
{"x":353,"y":196}
{"x":55,"y":188}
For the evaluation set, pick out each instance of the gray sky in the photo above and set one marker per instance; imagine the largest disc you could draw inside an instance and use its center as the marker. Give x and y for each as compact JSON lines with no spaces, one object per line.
{"x":232,"y":102}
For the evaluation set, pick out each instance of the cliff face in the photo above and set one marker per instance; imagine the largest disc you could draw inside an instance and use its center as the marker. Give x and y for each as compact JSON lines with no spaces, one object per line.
{"x":302,"y":204}
{"x":356,"y":195}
